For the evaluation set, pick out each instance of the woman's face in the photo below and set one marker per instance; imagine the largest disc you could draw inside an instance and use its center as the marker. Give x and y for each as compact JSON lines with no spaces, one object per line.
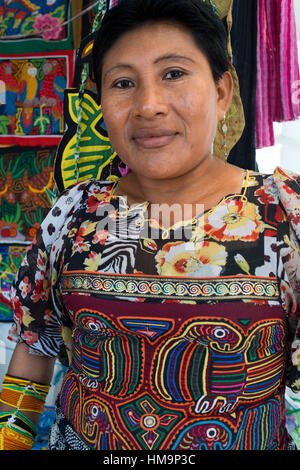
{"x":160,"y":102}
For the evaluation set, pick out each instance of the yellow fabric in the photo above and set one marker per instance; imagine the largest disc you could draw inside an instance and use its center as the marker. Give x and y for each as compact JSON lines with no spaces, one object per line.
{"x":223,"y":6}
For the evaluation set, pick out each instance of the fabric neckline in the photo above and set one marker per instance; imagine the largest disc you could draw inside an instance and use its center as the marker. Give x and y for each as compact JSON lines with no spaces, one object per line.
{"x":244,"y":185}
{"x":144,"y":205}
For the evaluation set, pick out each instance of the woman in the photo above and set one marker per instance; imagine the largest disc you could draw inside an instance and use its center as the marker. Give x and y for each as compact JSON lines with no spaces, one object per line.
{"x":177,"y":328}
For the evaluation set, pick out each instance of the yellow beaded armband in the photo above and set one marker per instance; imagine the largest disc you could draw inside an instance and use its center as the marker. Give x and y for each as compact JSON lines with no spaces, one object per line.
{"x":23,"y":395}
{"x":17,"y":432}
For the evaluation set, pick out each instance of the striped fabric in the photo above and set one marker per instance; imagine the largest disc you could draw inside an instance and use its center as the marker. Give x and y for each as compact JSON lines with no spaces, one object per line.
{"x":277,"y":68}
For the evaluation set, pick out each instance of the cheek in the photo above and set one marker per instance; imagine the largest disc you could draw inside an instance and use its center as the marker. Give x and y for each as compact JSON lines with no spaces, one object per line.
{"x":115,"y":118}
{"x":199,"y":106}
{"x":200,"y":117}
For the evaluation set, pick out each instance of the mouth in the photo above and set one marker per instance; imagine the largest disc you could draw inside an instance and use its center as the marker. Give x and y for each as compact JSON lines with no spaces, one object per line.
{"x":153,"y":138}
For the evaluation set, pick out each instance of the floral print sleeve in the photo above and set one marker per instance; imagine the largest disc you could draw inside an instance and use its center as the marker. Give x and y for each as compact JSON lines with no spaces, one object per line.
{"x":288,"y":186}
{"x":34,"y":300}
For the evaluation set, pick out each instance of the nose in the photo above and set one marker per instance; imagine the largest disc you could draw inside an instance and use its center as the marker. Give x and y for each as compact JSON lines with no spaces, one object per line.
{"x":150,"y":101}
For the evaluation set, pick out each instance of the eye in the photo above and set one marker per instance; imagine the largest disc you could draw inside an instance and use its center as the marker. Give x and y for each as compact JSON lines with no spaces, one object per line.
{"x":123,"y":84}
{"x":219,"y":333}
{"x":93,"y":326}
{"x":174,"y":74}
{"x":211,"y":433}
{"x":94,"y":411}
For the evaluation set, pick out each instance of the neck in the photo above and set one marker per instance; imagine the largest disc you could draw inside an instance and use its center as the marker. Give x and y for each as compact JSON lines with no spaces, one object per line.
{"x":188,"y":188}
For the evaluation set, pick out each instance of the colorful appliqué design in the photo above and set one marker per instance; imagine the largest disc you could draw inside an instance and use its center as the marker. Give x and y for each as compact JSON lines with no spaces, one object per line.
{"x":148,"y":421}
{"x":33,"y":110}
{"x":34,"y":17}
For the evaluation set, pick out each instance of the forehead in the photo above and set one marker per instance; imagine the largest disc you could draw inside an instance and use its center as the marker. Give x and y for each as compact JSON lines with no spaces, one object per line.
{"x":150,"y":41}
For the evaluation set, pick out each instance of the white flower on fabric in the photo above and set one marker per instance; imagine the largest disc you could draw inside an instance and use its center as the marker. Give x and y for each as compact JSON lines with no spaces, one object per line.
{"x":178,"y":259}
{"x":234,"y":220}
{"x":25,"y":287}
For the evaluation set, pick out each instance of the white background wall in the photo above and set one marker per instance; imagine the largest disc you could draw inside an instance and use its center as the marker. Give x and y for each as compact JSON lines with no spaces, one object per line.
{"x":286,"y":151}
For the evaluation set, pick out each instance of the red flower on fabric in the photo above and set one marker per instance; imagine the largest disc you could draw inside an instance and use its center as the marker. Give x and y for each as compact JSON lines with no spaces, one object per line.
{"x":80,"y":246}
{"x":97,"y":199}
{"x":25,"y":286}
{"x":30,"y":337}
{"x":17,"y":309}
{"x":265,"y":197}
{"x":294,"y":218}
{"x":47,"y":315}
{"x":100,"y":237}
{"x":92,"y":204}
{"x":42,"y":290}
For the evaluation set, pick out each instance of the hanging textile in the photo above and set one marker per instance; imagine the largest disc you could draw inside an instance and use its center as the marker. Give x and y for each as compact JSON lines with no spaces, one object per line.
{"x":243,"y":40}
{"x":26,"y":182}
{"x":11,"y":257}
{"x":35,"y":25}
{"x":277,"y":68}
{"x":33,"y":110}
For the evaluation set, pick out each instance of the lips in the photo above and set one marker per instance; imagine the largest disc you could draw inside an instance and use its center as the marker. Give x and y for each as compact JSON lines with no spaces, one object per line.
{"x":153,"y":138}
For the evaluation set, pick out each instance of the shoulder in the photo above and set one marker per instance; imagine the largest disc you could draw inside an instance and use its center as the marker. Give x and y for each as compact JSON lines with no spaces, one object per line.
{"x":279,"y":174}
{"x":78,"y":197}
{"x":287,"y":184}
{"x":78,"y":192}
{"x":285,"y":179}
{"x":280,"y":188}
{"x":281,"y":182}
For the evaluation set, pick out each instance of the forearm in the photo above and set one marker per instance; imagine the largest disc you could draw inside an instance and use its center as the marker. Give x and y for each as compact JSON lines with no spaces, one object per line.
{"x":29,"y":366}
{"x":35,"y":368}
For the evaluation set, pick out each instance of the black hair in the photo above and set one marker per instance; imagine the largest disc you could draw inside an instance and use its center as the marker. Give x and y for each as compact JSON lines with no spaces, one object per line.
{"x":196,"y":16}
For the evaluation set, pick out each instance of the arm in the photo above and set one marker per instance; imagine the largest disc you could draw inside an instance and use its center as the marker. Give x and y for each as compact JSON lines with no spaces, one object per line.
{"x":30,"y":367}
{"x":26,"y":383}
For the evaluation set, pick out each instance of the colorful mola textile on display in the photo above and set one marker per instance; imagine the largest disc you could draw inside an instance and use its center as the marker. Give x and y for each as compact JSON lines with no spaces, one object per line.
{"x":35,"y":25}
{"x":33,"y":110}
{"x":11,"y":256}
{"x":26,"y":182}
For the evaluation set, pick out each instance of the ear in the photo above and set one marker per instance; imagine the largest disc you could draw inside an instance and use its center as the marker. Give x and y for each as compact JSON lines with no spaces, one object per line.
{"x":225,"y":91}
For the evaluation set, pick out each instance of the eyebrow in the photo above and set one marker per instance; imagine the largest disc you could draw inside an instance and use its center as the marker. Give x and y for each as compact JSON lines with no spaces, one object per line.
{"x":159,"y":59}
{"x":173,"y":56}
